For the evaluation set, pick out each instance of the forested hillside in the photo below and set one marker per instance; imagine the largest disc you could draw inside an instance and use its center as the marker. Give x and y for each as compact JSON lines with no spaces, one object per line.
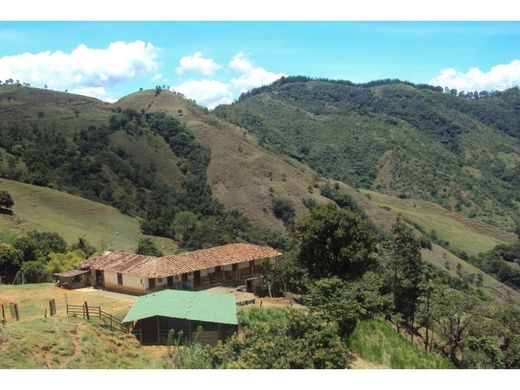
{"x":412,"y":141}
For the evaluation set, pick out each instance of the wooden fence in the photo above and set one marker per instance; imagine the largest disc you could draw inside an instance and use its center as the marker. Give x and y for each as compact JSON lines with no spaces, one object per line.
{"x":87,"y":311}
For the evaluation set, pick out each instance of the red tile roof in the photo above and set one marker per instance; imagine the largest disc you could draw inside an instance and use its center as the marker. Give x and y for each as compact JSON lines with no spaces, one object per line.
{"x":154,"y":267}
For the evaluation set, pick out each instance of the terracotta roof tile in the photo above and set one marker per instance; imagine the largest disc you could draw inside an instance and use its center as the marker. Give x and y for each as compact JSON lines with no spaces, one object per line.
{"x":153,"y":267}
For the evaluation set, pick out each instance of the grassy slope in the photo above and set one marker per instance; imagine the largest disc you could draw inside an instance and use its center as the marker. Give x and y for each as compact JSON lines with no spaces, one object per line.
{"x":375,"y":341}
{"x":438,"y":256}
{"x":61,"y":342}
{"x":463,"y":233}
{"x":240,"y":172}
{"x":45,"y":209}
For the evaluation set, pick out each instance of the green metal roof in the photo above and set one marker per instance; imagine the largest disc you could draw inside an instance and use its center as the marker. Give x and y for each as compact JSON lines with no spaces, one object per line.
{"x":190,"y":305}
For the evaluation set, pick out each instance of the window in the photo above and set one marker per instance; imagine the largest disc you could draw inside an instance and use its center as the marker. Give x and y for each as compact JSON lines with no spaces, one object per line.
{"x":159,"y":280}
{"x":234,"y":267}
{"x":184,"y":277}
{"x":218,"y":268}
{"x":120,"y":279}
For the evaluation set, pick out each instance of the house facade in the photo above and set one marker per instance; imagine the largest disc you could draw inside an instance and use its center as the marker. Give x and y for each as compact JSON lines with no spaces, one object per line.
{"x":232,"y":265}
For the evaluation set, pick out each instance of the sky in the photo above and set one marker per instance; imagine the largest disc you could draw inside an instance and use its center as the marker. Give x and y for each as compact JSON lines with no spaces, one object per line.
{"x":213,"y":62}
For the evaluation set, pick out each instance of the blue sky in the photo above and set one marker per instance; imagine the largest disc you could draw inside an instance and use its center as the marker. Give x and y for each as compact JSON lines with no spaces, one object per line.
{"x":212,"y":62}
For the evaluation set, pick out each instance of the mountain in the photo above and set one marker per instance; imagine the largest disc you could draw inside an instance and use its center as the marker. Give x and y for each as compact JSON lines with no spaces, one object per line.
{"x":154,"y":154}
{"x":150,"y":156}
{"x":410,"y":141}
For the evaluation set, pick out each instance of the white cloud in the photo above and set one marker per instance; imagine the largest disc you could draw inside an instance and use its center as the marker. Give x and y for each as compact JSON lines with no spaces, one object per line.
{"x":209,"y":93}
{"x":197,"y":63}
{"x":240,"y":63}
{"x":96,"y":92}
{"x":499,"y":77}
{"x":255,"y":77}
{"x":83,"y":67}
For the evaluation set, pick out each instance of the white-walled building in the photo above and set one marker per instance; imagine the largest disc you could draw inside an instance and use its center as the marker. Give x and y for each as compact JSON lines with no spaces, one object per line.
{"x":231,"y":264}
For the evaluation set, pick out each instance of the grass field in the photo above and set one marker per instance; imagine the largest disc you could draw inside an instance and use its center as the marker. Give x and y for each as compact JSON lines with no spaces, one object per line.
{"x":71,"y":216}
{"x":375,"y":341}
{"x":68,"y":342}
{"x":462,"y":233}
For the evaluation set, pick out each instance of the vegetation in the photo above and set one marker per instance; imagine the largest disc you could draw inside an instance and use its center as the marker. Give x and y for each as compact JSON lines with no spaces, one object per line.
{"x":375,"y":341}
{"x":147,"y":247}
{"x":335,"y":241}
{"x":6,"y":201}
{"x":45,"y":209}
{"x":282,"y":338}
{"x":397,"y":138}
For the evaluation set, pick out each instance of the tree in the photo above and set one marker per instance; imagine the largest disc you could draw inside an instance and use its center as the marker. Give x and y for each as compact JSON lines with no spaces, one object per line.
{"x":289,"y":338}
{"x":35,"y":272}
{"x":184,"y":223}
{"x":517,"y":231}
{"x":283,"y":209}
{"x":84,"y":246}
{"x":37,"y":245}
{"x":147,"y":247}
{"x":6,"y":200}
{"x":408,"y":271}
{"x":60,"y":262}
{"x":335,"y":242}
{"x":507,"y":329}
{"x":10,"y":259}
{"x":335,"y":302}
{"x":455,"y":320}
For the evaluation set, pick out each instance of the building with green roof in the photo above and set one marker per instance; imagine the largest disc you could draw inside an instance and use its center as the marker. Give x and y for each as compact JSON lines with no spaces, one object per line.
{"x":153,"y":315}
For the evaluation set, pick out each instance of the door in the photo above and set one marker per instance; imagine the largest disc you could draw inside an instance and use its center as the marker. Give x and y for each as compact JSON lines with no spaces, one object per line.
{"x":99,"y":278}
{"x":151,"y":283}
{"x":196,"y":279}
{"x":169,"y":281}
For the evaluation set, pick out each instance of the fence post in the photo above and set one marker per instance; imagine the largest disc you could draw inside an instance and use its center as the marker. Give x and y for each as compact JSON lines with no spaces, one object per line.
{"x":52,"y":307}
{"x":86,"y":310}
{"x":111,"y":322}
{"x":16,"y":312}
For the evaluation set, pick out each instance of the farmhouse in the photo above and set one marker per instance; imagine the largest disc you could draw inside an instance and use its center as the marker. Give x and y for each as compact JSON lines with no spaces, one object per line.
{"x":232,"y":265}
{"x":206,"y":316}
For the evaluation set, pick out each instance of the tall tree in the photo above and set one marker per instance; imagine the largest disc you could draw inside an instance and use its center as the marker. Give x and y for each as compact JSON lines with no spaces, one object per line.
{"x":335,"y":242}
{"x":408,"y":271}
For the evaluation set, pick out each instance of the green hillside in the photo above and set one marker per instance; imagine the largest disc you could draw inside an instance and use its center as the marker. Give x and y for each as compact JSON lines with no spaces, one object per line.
{"x":375,"y":341}
{"x":44,"y":209}
{"x":242,"y":174}
{"x":396,"y":138}
{"x":468,"y":235}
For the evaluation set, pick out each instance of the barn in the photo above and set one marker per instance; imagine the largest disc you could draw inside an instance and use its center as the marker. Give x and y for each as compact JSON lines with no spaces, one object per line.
{"x":230,"y":265}
{"x":207,"y":316}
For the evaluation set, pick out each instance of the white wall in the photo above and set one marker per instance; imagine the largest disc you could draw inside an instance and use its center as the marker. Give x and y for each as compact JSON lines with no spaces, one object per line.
{"x":128,"y":280}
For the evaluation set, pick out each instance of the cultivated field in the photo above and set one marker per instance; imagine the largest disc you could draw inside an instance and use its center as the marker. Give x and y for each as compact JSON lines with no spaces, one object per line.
{"x":462,"y":233}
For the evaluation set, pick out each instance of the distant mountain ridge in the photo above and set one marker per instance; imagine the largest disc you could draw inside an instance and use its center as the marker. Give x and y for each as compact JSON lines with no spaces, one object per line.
{"x":398,"y":138}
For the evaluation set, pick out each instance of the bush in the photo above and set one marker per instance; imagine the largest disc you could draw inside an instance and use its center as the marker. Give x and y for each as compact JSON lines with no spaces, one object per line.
{"x":6,"y":200}
{"x":283,"y":338}
{"x":283,"y":209}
